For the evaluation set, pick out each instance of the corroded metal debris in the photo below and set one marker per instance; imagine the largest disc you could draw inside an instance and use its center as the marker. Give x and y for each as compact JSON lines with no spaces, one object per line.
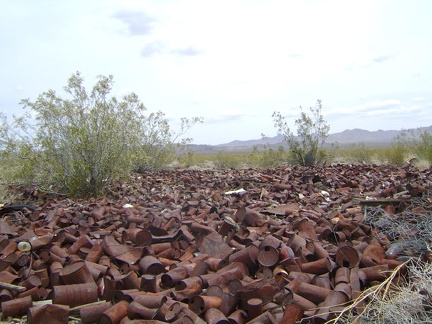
{"x":186,"y":246}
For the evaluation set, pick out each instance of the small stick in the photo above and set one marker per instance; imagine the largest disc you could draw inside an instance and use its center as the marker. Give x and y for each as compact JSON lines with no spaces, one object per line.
{"x":75,"y":311}
{"x":12,"y":287}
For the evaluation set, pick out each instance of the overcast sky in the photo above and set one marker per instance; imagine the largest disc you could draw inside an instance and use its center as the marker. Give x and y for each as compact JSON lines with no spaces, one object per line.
{"x":234,"y":62}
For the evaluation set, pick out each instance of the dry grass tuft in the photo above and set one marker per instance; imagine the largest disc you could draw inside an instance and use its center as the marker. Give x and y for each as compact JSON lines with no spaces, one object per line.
{"x":405,"y":296}
{"x":408,"y":301}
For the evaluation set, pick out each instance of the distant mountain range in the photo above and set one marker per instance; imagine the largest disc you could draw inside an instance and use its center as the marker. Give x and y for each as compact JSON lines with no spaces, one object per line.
{"x":345,"y":138}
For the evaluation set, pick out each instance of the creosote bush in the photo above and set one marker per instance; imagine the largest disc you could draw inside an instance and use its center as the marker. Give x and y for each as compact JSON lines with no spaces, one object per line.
{"x":82,"y":141}
{"x":312,"y":130}
{"x":359,"y":153}
{"x":159,"y":145}
{"x":226,"y":160}
{"x":423,"y":147}
{"x":409,"y":144}
{"x":268,"y":157}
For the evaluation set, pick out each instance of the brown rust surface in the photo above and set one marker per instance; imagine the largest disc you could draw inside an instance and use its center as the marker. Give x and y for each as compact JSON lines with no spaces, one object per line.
{"x":172,"y":234}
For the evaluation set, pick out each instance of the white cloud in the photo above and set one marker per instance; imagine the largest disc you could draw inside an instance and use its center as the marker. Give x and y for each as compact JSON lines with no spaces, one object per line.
{"x":152,"y":49}
{"x":227,"y":117}
{"x":138,"y":23}
{"x":377,"y":104}
{"x":234,"y":62}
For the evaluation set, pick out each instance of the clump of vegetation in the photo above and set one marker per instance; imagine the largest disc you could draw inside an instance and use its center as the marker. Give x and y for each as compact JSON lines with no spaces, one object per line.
{"x":409,"y":144}
{"x":82,"y":141}
{"x":404,"y":297}
{"x":226,"y":160}
{"x":188,"y":159}
{"x":268,"y":157}
{"x":312,"y":130}
{"x":408,"y":301}
{"x":359,"y":153}
{"x":159,"y":145}
{"x":423,"y":147}
{"x":400,"y":148}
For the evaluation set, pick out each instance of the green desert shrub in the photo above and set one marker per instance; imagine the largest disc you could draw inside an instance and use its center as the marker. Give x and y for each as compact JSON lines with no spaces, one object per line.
{"x":160,"y":145}
{"x":268,"y":157}
{"x":409,"y":144}
{"x":82,"y":140}
{"x":226,"y":160}
{"x":306,"y":147}
{"x":359,"y":153}
{"x":423,"y":147}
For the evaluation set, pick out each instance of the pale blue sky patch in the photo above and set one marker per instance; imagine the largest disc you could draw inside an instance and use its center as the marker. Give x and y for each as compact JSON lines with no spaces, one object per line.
{"x":232,"y":61}
{"x":187,"y":51}
{"x":152,"y":49}
{"x":138,"y":23}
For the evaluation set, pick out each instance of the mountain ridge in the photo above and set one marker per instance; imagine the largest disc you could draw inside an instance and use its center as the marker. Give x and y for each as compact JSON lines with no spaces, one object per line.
{"x":346,"y":137}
